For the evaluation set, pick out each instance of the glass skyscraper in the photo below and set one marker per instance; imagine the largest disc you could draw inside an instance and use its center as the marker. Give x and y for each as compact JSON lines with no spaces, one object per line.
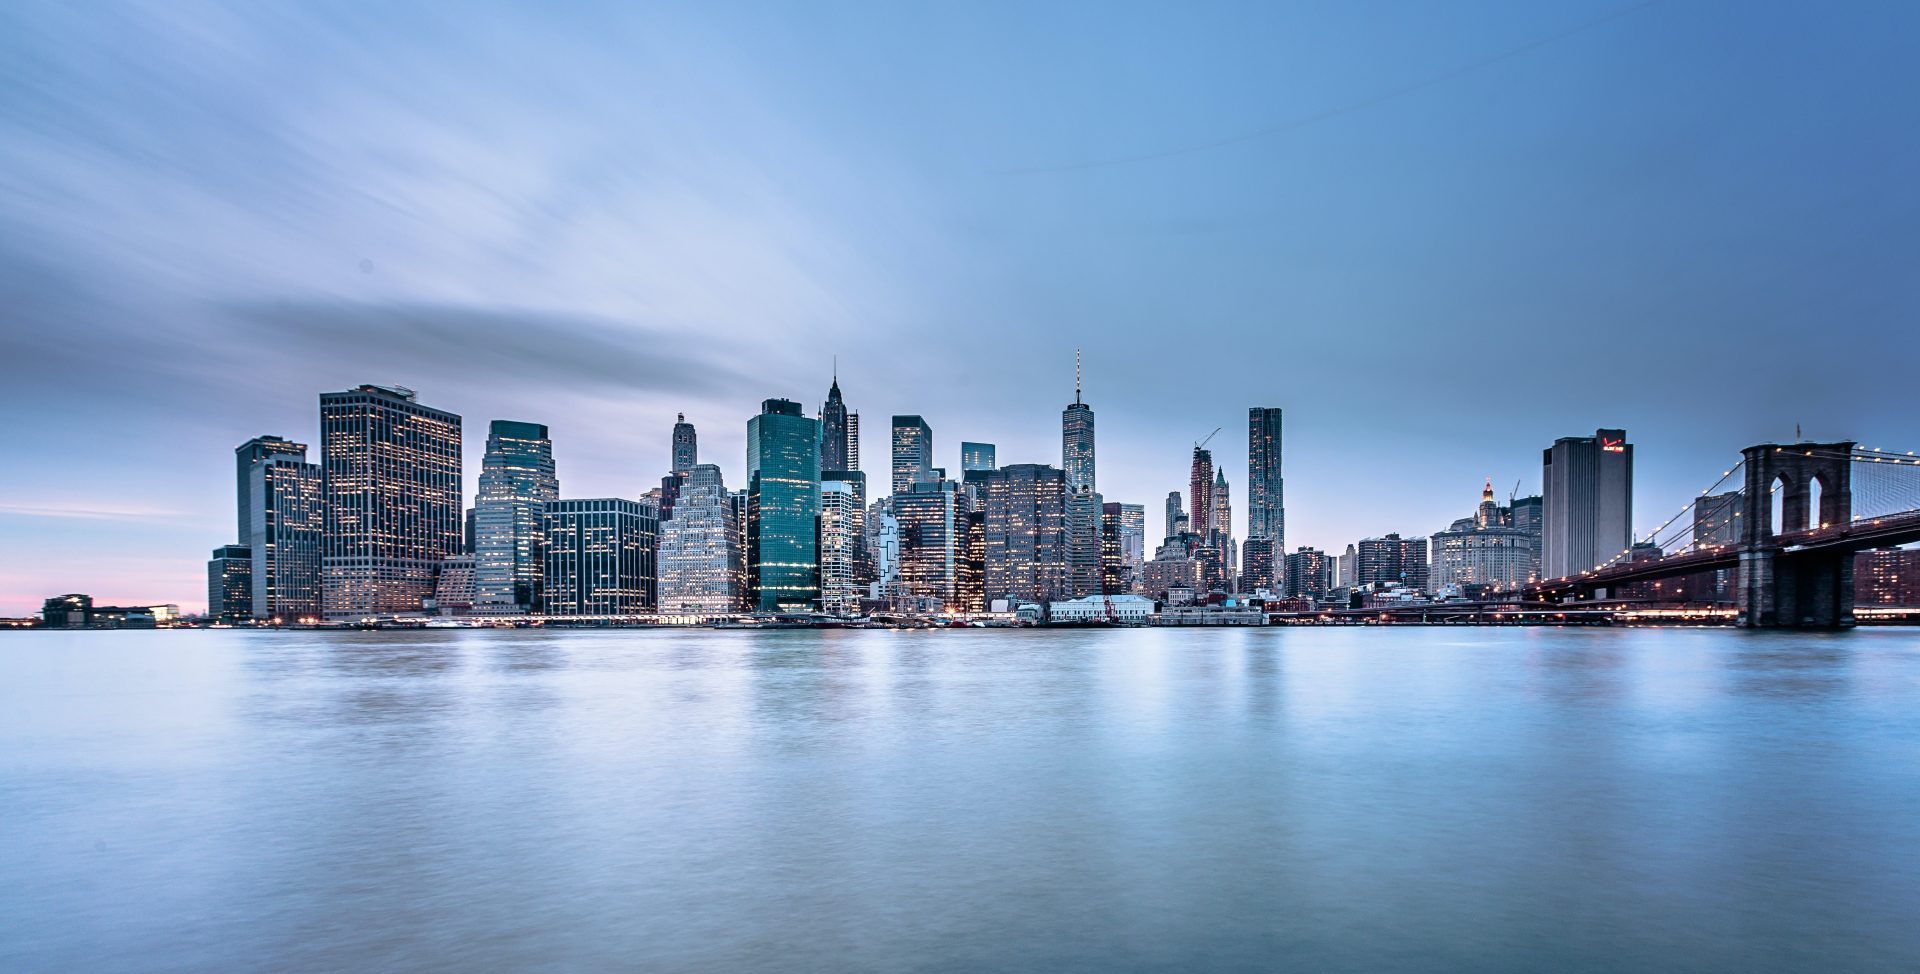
{"x":1266,"y":488}
{"x":912,"y":453}
{"x":391,"y":469}
{"x":700,"y":570}
{"x":783,"y":508}
{"x":1024,"y":533}
{"x":976,"y":456}
{"x":516,"y":481}
{"x":281,"y":501}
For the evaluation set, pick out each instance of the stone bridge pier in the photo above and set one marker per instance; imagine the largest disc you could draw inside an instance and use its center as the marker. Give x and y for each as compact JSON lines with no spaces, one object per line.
{"x":1783,"y":589}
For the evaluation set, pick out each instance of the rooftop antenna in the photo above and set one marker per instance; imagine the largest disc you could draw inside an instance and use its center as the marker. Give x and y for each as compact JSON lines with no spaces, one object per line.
{"x":1076,"y":377}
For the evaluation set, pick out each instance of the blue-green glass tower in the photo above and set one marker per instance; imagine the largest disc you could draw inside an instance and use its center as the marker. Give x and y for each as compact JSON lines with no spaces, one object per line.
{"x":783,"y":508}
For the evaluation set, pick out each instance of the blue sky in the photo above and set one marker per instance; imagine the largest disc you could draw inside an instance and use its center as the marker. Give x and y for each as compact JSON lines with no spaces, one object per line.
{"x":1439,"y":235}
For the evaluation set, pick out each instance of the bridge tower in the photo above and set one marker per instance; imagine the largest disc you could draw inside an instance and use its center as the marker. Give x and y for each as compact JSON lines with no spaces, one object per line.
{"x":1781,"y":588}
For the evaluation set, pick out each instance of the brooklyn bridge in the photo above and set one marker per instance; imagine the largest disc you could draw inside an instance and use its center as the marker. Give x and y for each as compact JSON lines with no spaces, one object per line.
{"x":1778,"y":549}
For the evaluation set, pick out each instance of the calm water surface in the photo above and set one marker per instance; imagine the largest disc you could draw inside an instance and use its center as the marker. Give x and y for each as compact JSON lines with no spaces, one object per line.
{"x":1374,"y":800}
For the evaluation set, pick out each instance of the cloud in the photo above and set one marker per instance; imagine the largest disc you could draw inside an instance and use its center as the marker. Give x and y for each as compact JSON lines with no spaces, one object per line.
{"x":87,"y":511}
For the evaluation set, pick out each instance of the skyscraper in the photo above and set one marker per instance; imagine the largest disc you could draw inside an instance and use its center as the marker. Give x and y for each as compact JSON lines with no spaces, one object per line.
{"x":1266,"y":488}
{"x":853,"y":441}
{"x":783,"y":508}
{"x":835,"y":448}
{"x":1024,"y":531}
{"x":392,"y":476}
{"x":1485,"y":549}
{"x":932,"y":519}
{"x":976,"y":456}
{"x":1200,"y":494}
{"x":599,"y":557}
{"x":517,"y":480}
{"x":686,"y":445}
{"x":912,"y":452}
{"x":841,"y":540}
{"x":699,"y":567}
{"x":1307,"y":574}
{"x":1587,"y":514}
{"x":281,"y":497}
{"x":1392,"y":559}
{"x":1174,"y":515}
{"x":1076,"y":438}
{"x":230,"y":584}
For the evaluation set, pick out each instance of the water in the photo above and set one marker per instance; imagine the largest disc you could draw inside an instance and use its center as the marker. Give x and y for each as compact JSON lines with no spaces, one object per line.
{"x":1324,"y":800}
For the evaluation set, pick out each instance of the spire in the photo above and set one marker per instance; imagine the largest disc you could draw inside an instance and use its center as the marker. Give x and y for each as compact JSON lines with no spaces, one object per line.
{"x":1076,"y":377}
{"x":1486,"y":493}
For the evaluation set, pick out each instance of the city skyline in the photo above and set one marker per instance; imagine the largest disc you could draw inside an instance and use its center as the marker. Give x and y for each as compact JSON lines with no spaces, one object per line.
{"x":525,"y":245}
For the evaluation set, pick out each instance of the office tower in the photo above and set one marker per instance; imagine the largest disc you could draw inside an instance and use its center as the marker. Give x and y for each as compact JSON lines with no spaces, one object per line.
{"x":1133,"y":540}
{"x":973,"y":562}
{"x":1485,"y":549}
{"x":912,"y":452}
{"x":1083,"y":543}
{"x":391,"y":468}
{"x":699,"y":569}
{"x":1116,"y":575}
{"x":1715,"y":519}
{"x":1076,"y":439}
{"x":230,"y":584}
{"x":976,"y":456}
{"x":1200,"y":494}
{"x":1266,"y":488}
{"x":1347,"y":568}
{"x":283,"y":498}
{"x":933,"y":521}
{"x":841,"y":539}
{"x":599,"y":557}
{"x":1256,"y":565}
{"x":1174,"y":515}
{"x":836,"y":451}
{"x":1392,"y":560}
{"x":686,"y":445}
{"x":783,"y":508}
{"x":1223,"y":524}
{"x":1025,"y":533}
{"x":1587,"y":514}
{"x":454,"y":591}
{"x":245,"y":456}
{"x":883,"y":548}
{"x":1307,"y":574}
{"x":517,"y":480}
{"x":853,"y":441}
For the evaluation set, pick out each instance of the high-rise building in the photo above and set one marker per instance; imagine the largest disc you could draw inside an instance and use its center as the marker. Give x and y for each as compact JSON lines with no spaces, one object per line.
{"x":783,"y":508}
{"x":1223,"y":524}
{"x":1392,"y":560}
{"x":853,"y":441}
{"x":1587,"y":484}
{"x":1485,"y":549}
{"x":1266,"y":487}
{"x":1174,"y":515}
{"x":1083,"y":543}
{"x":912,"y":453}
{"x":1025,"y":533}
{"x":842,"y":516}
{"x":1200,"y":494}
{"x":686,"y":445}
{"x":245,"y":456}
{"x":391,"y":468}
{"x":599,"y":557}
{"x":230,"y":584}
{"x":836,"y":450}
{"x":977,"y":456}
{"x":1076,"y":439}
{"x":453,"y":589}
{"x":1887,"y":576}
{"x":283,"y":500}
{"x":1307,"y":574}
{"x":699,"y":567}
{"x":933,"y":522}
{"x":883,"y":548}
{"x":517,"y":480}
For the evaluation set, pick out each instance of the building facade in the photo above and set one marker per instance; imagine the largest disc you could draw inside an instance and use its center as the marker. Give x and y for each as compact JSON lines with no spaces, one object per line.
{"x":230,"y":584}
{"x":284,"y":502}
{"x":1484,"y":549}
{"x":1587,"y":510}
{"x":1024,"y":533}
{"x":517,"y":479}
{"x":912,"y":452}
{"x":932,"y":519}
{"x":783,"y":508}
{"x":391,"y":470}
{"x":1266,"y":487}
{"x":1307,"y":574}
{"x":599,"y":557}
{"x":1392,"y":560}
{"x":841,"y":540}
{"x":699,"y":568}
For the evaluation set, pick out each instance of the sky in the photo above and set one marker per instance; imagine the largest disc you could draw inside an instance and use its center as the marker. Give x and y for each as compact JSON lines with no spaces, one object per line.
{"x":1438,"y":235}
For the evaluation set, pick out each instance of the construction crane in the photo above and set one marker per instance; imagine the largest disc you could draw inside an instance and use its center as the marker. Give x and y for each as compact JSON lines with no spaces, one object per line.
{"x":1203,"y":443}
{"x":1516,"y":493}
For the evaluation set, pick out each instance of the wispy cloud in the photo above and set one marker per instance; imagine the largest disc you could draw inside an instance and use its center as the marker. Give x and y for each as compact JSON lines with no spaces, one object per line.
{"x":85,"y":511}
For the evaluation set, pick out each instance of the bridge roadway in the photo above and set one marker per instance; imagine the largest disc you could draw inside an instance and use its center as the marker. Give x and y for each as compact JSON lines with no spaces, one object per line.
{"x":1879,"y":532}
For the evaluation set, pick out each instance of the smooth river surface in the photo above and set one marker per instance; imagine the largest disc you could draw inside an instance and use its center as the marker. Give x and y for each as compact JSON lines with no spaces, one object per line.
{"x":1142,"y":800}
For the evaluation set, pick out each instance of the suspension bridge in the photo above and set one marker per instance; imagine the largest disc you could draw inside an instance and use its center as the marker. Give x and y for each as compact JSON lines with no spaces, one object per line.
{"x":1780,"y":546}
